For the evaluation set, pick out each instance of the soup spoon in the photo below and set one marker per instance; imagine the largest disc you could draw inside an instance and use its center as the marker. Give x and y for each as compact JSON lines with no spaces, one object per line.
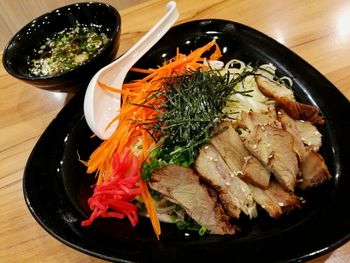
{"x":100,"y":105}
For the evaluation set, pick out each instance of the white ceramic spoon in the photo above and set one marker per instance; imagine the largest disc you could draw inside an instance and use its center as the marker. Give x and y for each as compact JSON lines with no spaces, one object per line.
{"x":101,"y":106}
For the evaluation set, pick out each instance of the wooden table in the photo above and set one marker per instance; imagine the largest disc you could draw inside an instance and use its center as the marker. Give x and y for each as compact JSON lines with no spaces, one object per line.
{"x":316,"y":30}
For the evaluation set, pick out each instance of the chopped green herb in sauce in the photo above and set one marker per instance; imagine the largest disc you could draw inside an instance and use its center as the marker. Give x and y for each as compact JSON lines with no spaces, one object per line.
{"x":66,"y":50}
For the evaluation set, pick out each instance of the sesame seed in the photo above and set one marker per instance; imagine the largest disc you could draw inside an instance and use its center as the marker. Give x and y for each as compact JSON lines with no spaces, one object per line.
{"x":227,"y":183}
{"x":246,"y":158}
{"x":254,"y":146}
{"x":281,"y":204}
{"x":187,"y":234}
{"x":302,"y":200}
{"x":206,"y":147}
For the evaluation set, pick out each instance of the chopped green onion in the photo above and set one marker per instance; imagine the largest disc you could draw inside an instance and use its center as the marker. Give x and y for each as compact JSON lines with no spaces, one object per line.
{"x":66,"y":50}
{"x":202,"y":231}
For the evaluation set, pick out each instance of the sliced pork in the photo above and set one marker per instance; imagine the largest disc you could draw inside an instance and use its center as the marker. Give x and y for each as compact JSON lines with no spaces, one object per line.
{"x":304,"y":130}
{"x":287,"y":200}
{"x":284,"y":98}
{"x":251,"y":119}
{"x":263,"y":199}
{"x":231,"y":149}
{"x":274,"y":148}
{"x":234,"y":194}
{"x":238,"y":158}
{"x":275,"y":200}
{"x":314,"y":171}
{"x":255,"y":173}
{"x":181,"y":185}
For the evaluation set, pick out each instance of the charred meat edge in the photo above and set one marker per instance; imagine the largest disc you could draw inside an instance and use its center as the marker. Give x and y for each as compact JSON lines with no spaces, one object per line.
{"x":296,"y":110}
{"x":274,"y":148}
{"x":239,"y":160}
{"x":182,"y":186}
{"x":234,"y":194}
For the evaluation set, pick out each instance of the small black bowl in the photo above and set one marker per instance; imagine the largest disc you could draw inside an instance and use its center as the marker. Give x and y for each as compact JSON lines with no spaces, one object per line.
{"x":19,"y":50}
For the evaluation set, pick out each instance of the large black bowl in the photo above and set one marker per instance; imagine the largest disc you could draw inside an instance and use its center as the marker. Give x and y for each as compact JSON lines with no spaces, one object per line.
{"x":56,"y":186}
{"x":20,"y":47}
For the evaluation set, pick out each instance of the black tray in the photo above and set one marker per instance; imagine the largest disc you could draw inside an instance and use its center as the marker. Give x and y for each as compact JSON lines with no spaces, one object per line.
{"x":56,"y":186}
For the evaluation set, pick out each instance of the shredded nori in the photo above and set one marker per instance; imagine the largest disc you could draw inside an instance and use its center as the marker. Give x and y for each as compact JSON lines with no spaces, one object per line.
{"x":192,"y":108}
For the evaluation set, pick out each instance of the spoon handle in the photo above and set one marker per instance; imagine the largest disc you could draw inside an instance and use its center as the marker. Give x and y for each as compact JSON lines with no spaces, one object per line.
{"x":128,"y":59}
{"x":152,"y":36}
{"x":100,"y":106}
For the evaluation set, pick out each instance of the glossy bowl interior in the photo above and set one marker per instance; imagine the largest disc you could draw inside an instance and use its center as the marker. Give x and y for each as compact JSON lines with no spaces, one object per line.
{"x":19,"y":49}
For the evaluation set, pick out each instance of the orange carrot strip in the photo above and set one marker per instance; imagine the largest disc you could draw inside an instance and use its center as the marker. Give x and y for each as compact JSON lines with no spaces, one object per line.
{"x":141,"y":70}
{"x":147,"y":198}
{"x":106,"y":87}
{"x":135,"y":84}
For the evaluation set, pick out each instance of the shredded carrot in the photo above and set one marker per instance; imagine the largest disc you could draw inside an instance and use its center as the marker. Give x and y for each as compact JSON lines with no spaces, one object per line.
{"x":147,"y":198}
{"x":131,"y":115}
{"x":141,"y":70}
{"x":107,"y":87}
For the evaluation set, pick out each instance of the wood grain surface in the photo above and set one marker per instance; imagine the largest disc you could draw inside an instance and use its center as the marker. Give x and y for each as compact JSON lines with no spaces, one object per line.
{"x":16,"y":13}
{"x":318,"y":31}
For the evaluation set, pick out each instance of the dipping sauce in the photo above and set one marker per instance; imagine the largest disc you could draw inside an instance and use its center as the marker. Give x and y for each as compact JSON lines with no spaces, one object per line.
{"x":66,"y":50}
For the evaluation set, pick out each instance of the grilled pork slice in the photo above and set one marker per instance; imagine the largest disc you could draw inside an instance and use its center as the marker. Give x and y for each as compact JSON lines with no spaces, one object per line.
{"x":234,"y":194}
{"x":255,"y":173}
{"x":182,"y":186}
{"x":239,"y":160}
{"x":287,"y":200}
{"x":284,"y":98}
{"x":275,"y":200}
{"x":251,"y":119}
{"x":304,"y":130}
{"x":312,"y":166}
{"x":219,"y":210}
{"x":274,"y":148}
{"x":269,"y":205}
{"x":313,"y":169}
{"x":289,"y":125}
{"x":231,"y":149}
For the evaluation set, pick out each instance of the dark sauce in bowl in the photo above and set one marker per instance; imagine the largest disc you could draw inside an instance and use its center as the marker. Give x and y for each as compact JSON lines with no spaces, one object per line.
{"x":36,"y":35}
{"x":66,"y":49}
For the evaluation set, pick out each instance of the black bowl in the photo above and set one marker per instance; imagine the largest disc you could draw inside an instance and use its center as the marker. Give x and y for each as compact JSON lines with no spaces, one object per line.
{"x":18,"y":51}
